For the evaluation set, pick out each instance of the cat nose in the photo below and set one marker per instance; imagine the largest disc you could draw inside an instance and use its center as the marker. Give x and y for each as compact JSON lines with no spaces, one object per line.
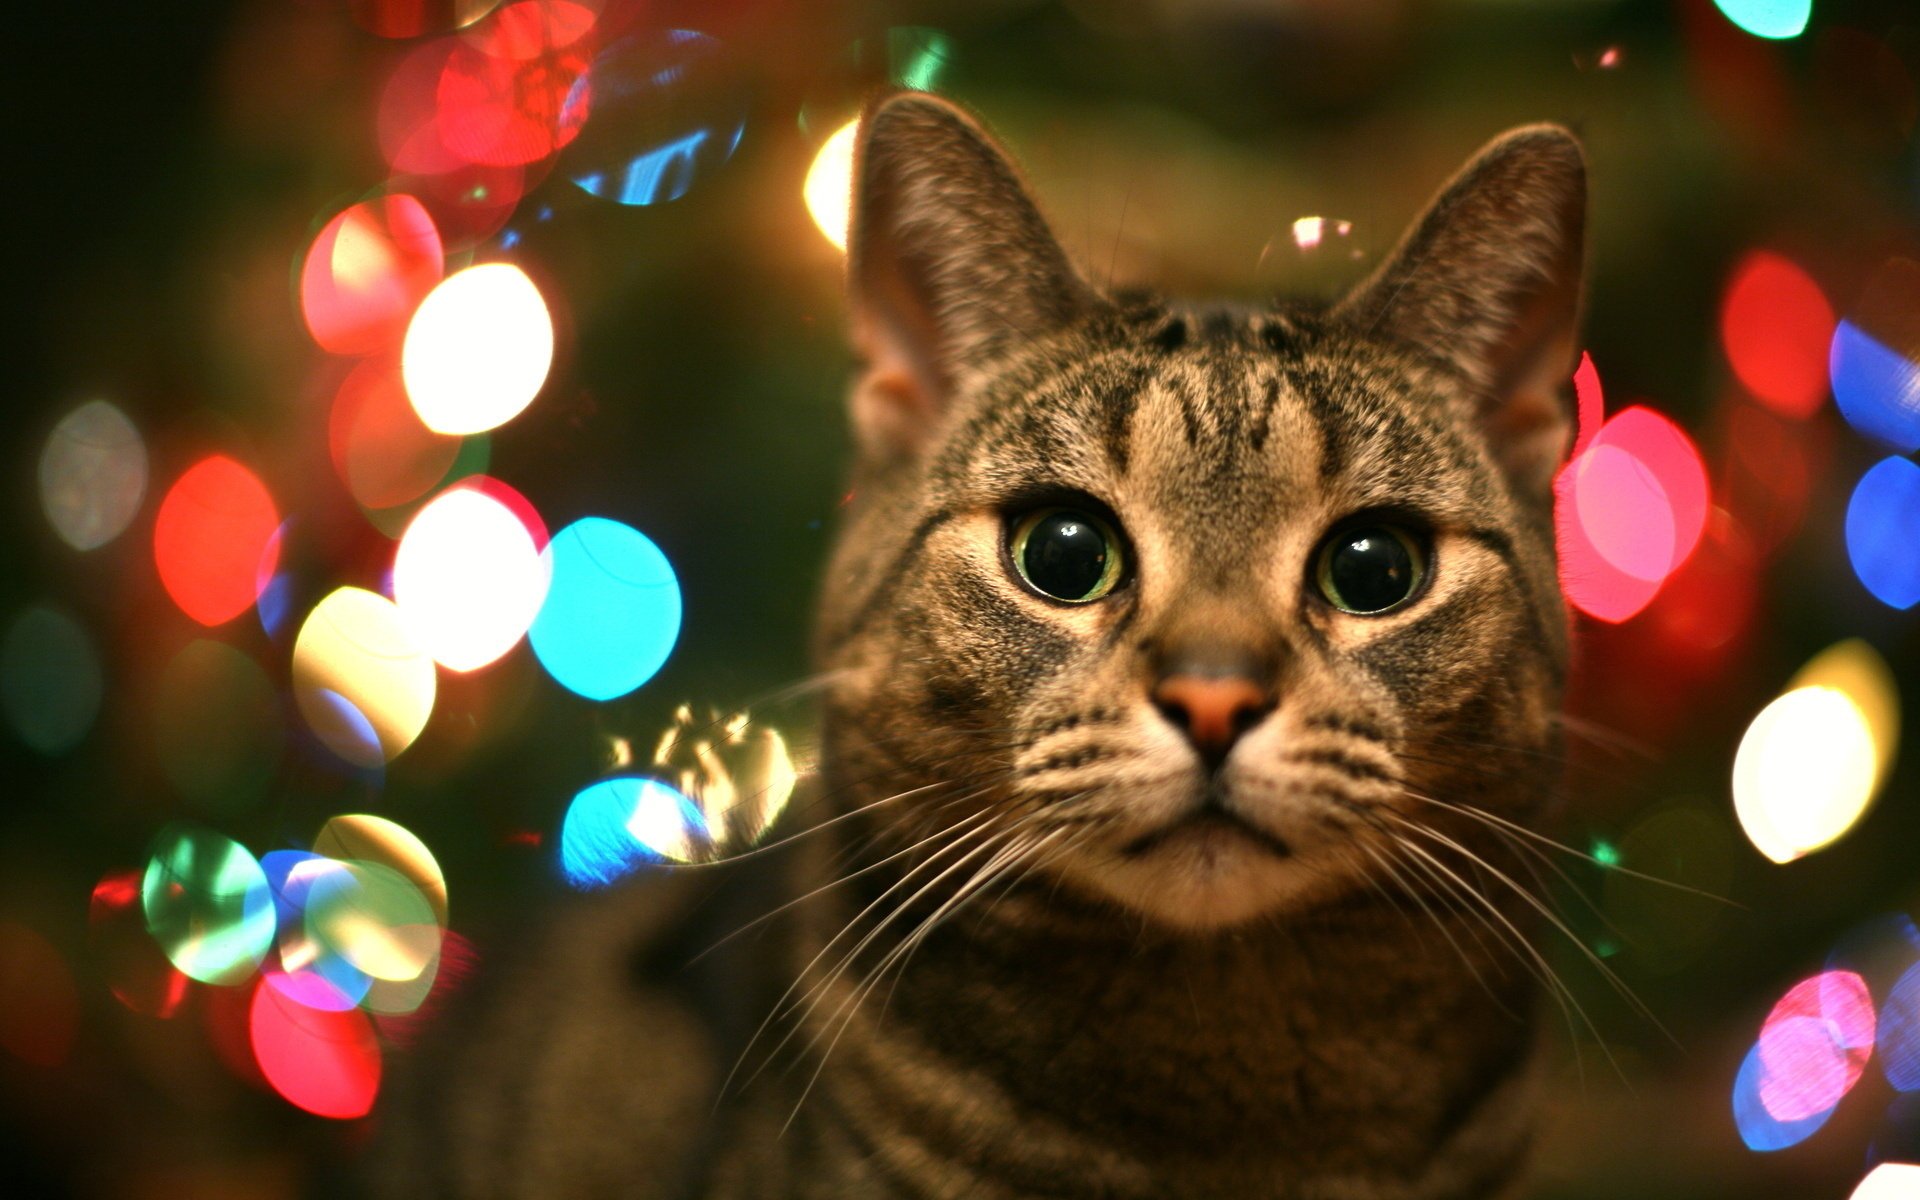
{"x":1212,"y":710}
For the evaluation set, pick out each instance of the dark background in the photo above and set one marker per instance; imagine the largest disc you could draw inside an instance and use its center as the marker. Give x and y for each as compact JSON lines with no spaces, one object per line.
{"x":169,"y":163}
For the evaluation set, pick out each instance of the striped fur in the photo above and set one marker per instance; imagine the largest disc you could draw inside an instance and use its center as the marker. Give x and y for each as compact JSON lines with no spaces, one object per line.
{"x":1005,"y":985}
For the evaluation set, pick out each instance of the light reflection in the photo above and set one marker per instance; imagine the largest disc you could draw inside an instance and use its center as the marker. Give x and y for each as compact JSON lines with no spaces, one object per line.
{"x":363,"y":685}
{"x":828,"y":191}
{"x":93,"y":475}
{"x":213,"y":540}
{"x":207,"y":904}
{"x":739,"y":773}
{"x":614,"y":826}
{"x":612,"y":612}
{"x":478,"y":350}
{"x":468,"y":578}
{"x":1805,"y":772}
{"x":667,"y":111}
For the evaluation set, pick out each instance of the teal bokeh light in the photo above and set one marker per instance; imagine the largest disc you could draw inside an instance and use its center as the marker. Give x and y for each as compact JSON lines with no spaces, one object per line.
{"x":612,"y":613}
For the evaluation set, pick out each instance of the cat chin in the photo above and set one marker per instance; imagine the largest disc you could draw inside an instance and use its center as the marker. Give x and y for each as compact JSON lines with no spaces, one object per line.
{"x":1206,"y":885}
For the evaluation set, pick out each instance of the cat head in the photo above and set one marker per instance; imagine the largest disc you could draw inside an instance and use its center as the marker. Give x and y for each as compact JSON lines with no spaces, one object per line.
{"x":1198,"y":603}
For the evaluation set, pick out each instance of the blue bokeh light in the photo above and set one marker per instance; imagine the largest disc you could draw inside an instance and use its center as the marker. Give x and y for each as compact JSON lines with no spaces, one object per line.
{"x":1899,"y":1035}
{"x":612,"y":612}
{"x":666,"y":111}
{"x":1876,"y":388}
{"x":1760,"y":1129}
{"x":597,"y":842}
{"x":325,"y":980}
{"x":1883,"y":523}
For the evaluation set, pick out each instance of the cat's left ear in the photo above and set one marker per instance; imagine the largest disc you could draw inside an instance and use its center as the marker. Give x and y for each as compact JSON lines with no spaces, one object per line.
{"x":949,"y":263}
{"x":1489,"y":279}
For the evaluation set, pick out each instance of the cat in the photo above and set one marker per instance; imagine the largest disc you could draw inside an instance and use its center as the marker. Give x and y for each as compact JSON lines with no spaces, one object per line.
{"x":1188,"y":670}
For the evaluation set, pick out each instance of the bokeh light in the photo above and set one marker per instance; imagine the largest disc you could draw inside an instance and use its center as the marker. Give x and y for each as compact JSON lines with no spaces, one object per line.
{"x":1776,"y":326}
{"x":373,"y":917}
{"x":468,"y":578}
{"x":39,"y":1003}
{"x":1900,"y":1032}
{"x":137,"y":972}
{"x":380,"y":449}
{"x":616,"y":825}
{"x":478,"y":350}
{"x":1629,"y":511}
{"x":514,"y":88}
{"x":327,"y":1063}
{"x":1890,"y":1181}
{"x":213,"y":540}
{"x":828,"y":190}
{"x":737,"y":772}
{"x":667,"y":111}
{"x":207,"y":904}
{"x":1856,"y":670}
{"x":93,"y":475}
{"x":367,"y":270}
{"x":1758,"y":1127}
{"x":217,"y":726}
{"x":1882,"y":516}
{"x":367,"y":838}
{"x":50,"y":679}
{"x":362,"y":683}
{"x":300,"y":967}
{"x":612,"y":612}
{"x":1814,"y":1045}
{"x":1768,"y":18}
{"x":1876,"y":379}
{"x":1805,"y":772}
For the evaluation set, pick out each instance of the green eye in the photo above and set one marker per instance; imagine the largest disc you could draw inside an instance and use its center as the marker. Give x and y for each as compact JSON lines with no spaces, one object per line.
{"x":1370,"y":569}
{"x":1067,"y":554}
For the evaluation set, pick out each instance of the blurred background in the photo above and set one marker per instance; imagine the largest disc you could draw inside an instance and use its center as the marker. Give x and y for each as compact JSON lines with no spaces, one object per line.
{"x":417,"y":402}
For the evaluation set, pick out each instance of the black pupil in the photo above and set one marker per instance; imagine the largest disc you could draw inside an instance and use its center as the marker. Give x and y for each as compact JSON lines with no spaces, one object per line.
{"x":1370,"y":570}
{"x":1065,"y":556}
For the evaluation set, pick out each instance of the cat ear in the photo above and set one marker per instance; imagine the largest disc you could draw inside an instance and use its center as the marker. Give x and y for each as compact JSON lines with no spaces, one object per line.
{"x":949,"y":264}
{"x":1489,"y":280}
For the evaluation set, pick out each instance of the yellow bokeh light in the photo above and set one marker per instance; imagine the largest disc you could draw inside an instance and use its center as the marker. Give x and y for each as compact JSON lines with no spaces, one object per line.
{"x":468,"y":579}
{"x":477,"y":350}
{"x":361,"y":682}
{"x":1805,"y":772}
{"x":1890,"y":1181}
{"x":829,"y":187}
{"x":366,"y":838}
{"x":1857,"y":670}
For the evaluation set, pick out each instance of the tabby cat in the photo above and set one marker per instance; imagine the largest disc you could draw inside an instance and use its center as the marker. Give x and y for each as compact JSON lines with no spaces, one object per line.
{"x":1188,"y":668}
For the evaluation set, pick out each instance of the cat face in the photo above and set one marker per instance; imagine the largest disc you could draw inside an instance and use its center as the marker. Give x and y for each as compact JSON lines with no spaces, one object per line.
{"x":1189,"y":605}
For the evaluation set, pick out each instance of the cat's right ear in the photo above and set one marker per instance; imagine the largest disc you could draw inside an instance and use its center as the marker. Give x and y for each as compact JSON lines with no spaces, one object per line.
{"x":949,"y":265}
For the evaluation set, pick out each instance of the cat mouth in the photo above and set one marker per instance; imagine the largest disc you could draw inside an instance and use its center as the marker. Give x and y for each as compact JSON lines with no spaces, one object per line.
{"x":1211,"y":821}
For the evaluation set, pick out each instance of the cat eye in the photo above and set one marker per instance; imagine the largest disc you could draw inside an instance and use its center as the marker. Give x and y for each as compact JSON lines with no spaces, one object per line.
{"x":1066,"y":554}
{"x":1370,"y":569}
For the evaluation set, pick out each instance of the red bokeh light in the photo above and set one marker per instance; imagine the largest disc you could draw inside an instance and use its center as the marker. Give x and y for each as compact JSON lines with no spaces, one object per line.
{"x":367,"y":271}
{"x":413,"y":18}
{"x":515,"y":503}
{"x":213,"y":540}
{"x":325,"y":1062}
{"x":514,"y":90}
{"x":136,"y":970}
{"x":382,"y":452}
{"x":1629,"y":510}
{"x":1815,"y":1044}
{"x":1590,"y":404}
{"x":1776,"y":326}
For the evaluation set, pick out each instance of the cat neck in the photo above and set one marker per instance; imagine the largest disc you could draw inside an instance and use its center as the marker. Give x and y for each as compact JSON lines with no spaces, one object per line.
{"x":1073,"y":1023}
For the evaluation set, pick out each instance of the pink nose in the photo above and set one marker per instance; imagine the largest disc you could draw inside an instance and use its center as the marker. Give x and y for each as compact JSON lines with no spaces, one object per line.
{"x":1213,"y":711}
